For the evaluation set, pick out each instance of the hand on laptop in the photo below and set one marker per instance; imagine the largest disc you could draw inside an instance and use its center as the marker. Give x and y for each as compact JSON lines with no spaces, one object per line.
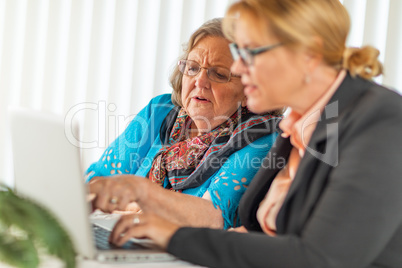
{"x":115,"y":193}
{"x":132,"y":207}
{"x":146,"y":225}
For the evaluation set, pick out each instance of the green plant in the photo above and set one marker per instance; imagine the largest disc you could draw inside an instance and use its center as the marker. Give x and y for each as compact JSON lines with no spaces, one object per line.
{"x":28,"y":230}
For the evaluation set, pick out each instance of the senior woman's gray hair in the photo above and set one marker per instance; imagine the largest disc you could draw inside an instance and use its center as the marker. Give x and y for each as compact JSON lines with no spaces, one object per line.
{"x":213,"y":28}
{"x":210,"y":28}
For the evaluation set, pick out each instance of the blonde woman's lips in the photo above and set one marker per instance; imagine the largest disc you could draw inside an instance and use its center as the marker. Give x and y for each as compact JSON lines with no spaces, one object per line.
{"x":249,"y":89}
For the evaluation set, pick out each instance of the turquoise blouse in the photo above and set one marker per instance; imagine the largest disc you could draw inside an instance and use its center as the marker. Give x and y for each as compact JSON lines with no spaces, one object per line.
{"x":134,"y":150}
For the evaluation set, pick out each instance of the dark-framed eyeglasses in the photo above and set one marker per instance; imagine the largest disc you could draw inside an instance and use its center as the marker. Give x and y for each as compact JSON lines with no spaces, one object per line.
{"x":246,"y":54}
{"x":215,"y":73}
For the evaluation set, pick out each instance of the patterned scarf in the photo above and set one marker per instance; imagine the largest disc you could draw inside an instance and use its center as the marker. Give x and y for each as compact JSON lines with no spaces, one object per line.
{"x":181,"y":156}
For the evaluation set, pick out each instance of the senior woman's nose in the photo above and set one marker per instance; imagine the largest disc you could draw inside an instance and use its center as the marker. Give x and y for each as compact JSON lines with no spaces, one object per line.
{"x":202,"y":80}
{"x":238,"y":67}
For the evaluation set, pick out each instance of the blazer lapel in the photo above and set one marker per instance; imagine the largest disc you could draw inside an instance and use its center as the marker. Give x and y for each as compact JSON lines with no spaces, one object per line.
{"x":320,"y":157}
{"x":274,"y":161}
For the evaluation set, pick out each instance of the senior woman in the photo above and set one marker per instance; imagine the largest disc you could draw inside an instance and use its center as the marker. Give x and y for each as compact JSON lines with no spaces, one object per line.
{"x":337,"y":201}
{"x":189,"y":156}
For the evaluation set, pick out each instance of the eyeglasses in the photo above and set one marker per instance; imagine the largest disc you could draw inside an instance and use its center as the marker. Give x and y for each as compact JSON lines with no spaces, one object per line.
{"x":215,"y":73}
{"x":246,"y":54}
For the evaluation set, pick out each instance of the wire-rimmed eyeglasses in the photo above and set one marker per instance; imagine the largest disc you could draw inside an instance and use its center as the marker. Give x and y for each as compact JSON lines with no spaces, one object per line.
{"x":246,"y":54}
{"x":215,"y":73}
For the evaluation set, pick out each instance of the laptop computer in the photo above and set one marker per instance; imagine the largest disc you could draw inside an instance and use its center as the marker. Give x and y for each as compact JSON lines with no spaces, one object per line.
{"x":47,"y":169}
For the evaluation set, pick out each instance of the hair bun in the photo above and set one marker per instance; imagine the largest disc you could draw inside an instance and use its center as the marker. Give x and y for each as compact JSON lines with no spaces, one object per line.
{"x":362,"y":61}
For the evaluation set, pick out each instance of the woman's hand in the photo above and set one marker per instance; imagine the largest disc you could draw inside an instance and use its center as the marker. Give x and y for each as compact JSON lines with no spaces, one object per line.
{"x":145,"y":225}
{"x":116,"y":192}
{"x":240,"y":229}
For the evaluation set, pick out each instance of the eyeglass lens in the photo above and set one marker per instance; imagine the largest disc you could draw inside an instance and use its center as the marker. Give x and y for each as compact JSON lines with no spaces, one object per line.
{"x":244,"y":54}
{"x":247,"y":55}
{"x":217,"y":74}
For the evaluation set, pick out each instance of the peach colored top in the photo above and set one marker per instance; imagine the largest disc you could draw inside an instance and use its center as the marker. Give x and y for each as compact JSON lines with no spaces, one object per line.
{"x":299,"y":128}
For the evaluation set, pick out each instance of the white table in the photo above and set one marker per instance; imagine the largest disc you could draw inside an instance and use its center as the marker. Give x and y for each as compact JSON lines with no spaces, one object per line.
{"x":94,"y":264}
{"x":50,"y":262}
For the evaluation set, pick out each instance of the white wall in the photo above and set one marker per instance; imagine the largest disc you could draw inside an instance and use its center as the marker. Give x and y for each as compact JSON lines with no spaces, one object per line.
{"x":114,"y":56}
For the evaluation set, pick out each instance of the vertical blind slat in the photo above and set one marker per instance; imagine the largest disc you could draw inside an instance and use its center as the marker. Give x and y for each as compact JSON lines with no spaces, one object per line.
{"x":100,"y":55}
{"x":10,"y":76}
{"x":3,"y":103}
{"x":34,"y":53}
{"x":168,"y":47}
{"x":145,"y":53}
{"x":393,"y":56}
{"x":100,"y":50}
{"x":215,"y":9}
{"x":54,"y":74}
{"x":78,"y":52}
{"x":192,"y":17}
{"x":356,"y":7}
{"x":121,"y":80}
{"x":13,"y":55}
{"x":375,"y":27}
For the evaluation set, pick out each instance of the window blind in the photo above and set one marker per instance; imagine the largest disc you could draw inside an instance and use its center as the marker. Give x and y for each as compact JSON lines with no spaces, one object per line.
{"x":104,"y":60}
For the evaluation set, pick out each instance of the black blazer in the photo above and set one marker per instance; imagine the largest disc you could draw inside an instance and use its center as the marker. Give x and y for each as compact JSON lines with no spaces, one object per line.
{"x":344,"y":207}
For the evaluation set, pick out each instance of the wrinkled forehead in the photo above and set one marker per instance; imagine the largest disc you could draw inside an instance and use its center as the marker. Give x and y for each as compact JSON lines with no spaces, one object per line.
{"x":212,"y":51}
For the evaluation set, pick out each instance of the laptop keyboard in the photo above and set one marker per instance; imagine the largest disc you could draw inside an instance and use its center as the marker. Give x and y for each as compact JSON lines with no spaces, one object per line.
{"x":101,"y":237}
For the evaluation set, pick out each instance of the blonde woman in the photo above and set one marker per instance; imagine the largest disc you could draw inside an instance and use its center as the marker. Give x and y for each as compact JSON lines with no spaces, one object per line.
{"x":337,"y":201}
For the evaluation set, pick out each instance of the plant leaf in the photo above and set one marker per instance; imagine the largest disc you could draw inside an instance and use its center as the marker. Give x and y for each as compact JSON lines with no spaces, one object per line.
{"x":39,"y":225}
{"x":18,"y":252}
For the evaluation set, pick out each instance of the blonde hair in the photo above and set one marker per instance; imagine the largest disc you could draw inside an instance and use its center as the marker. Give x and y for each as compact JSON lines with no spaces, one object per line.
{"x":321,"y":26}
{"x":211,"y":28}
